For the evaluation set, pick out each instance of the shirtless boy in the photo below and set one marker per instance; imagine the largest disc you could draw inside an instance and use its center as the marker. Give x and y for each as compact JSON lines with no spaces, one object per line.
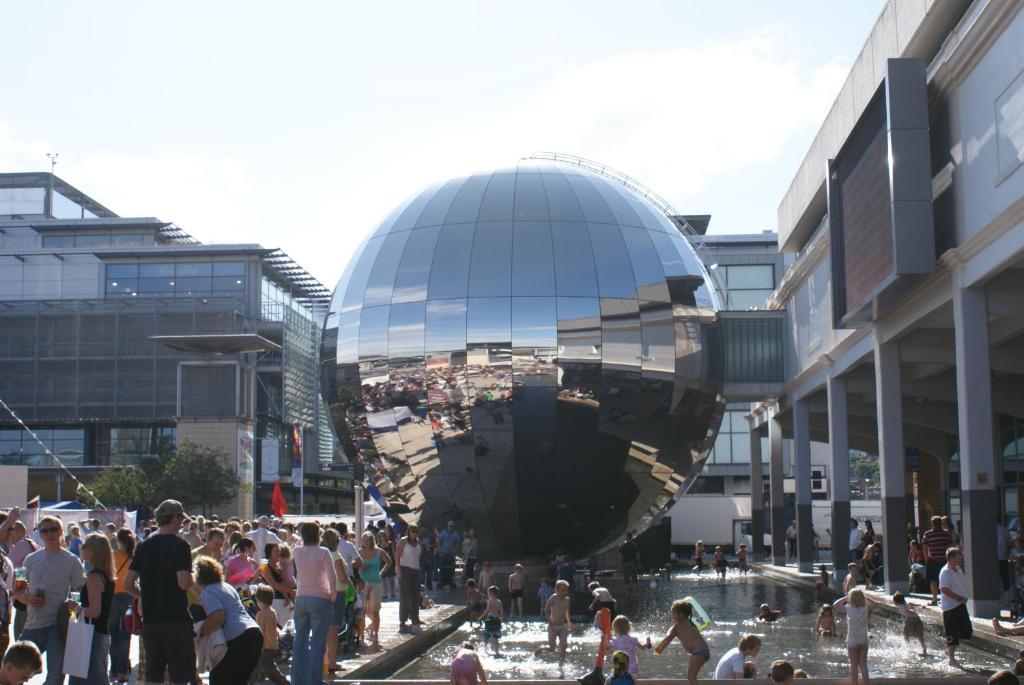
{"x":557,"y":610}
{"x":689,"y":636}
{"x":516,"y":585}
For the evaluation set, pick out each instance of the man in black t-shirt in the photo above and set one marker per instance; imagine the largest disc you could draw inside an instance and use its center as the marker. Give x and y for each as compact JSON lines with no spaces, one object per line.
{"x":160,"y":573}
{"x":628,"y":552}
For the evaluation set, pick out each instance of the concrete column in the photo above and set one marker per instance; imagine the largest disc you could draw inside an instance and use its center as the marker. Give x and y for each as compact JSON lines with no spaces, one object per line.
{"x":891,"y":464}
{"x":839,"y":471}
{"x":978,"y":496}
{"x":756,"y":496}
{"x":802,"y":476}
{"x":778,"y":494}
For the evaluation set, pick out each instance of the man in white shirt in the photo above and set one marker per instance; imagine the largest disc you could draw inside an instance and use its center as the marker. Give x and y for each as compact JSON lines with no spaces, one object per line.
{"x":956,"y":622}
{"x":261,"y":536}
{"x":856,"y":535}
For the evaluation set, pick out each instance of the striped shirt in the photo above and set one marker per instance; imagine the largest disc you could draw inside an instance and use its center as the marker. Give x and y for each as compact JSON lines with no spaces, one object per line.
{"x":936,"y":541}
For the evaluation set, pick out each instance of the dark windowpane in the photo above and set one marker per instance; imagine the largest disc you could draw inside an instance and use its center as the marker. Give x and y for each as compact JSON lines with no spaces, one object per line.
{"x":533,"y":267}
{"x":594,"y":208}
{"x":498,"y":198}
{"x":229,"y":268}
{"x":357,"y":283}
{"x":614,"y":272}
{"x":414,"y":269}
{"x":562,"y":204}
{"x":228,"y":283}
{"x":466,"y":205}
{"x":156,"y":285}
{"x":58,"y":241}
{"x":574,"y":259}
{"x":407,"y":219}
{"x":123,"y":287}
{"x":126,"y":240}
{"x":382,"y":277}
{"x":530,"y":204}
{"x":165,"y":270}
{"x":490,"y":274}
{"x":436,"y":210}
{"x":193,"y":285}
{"x":405,"y":332}
{"x":489,"y":320}
{"x":449,"y":276}
{"x":446,"y":326}
{"x":650,"y":278}
{"x":92,"y":240}
{"x":122,"y":270}
{"x":194,"y":269}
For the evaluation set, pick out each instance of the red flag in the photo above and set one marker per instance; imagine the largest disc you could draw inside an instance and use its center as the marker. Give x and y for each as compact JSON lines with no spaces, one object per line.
{"x":278,"y":507}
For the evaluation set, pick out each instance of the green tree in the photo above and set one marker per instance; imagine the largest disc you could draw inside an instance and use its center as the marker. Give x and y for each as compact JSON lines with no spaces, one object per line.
{"x":197,"y":476}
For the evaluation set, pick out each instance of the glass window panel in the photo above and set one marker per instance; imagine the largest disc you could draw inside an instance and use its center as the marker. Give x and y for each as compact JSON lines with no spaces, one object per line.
{"x":533,"y":266}
{"x":490,"y":274}
{"x":58,"y":241}
{"x":465,"y":207}
{"x":384,"y":227}
{"x":228,"y":283}
{"x":624,"y":214}
{"x":614,"y":272}
{"x":436,"y":210}
{"x":414,"y":269}
{"x":574,"y":259}
{"x":156,"y":270}
{"x":353,"y":298}
{"x":449,"y":276}
{"x":373,"y":333}
{"x":92,"y":240}
{"x":156,"y":285}
{"x":229,"y":268}
{"x":196,"y":285}
{"x":123,"y":287}
{"x":22,"y":201}
{"x":646,"y":212}
{"x":723,"y":449}
{"x":650,"y":278}
{"x":562,"y":204}
{"x":672,"y":263}
{"x":122,"y":270}
{"x":498,"y":198}
{"x":594,"y":207}
{"x":747,"y":299}
{"x":750,"y":276}
{"x":193,"y":269}
{"x":405,"y":332}
{"x":382,"y":277}
{"x":530,"y":203}
{"x":407,"y":219}
{"x":489,"y":320}
{"x":446,"y":326}
{"x":534,"y":322}
{"x":348,"y":338}
{"x":740,"y":448}
{"x":620,"y":334}
{"x":64,"y":208}
{"x":126,"y":239}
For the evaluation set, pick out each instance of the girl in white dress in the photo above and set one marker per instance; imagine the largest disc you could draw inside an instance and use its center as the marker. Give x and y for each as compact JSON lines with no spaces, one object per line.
{"x":858,"y":611}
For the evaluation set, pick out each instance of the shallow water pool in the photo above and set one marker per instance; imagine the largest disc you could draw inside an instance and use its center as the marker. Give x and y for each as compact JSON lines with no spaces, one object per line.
{"x":732,"y":606}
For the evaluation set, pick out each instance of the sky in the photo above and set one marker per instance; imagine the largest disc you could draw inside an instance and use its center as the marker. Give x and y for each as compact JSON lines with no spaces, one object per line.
{"x":301,"y":125}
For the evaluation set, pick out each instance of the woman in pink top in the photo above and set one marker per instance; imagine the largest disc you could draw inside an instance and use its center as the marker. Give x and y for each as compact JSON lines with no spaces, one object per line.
{"x":466,"y":667}
{"x":314,"y":571}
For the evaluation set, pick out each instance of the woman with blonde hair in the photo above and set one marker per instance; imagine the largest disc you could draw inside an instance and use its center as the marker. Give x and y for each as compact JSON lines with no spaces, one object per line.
{"x":857,"y":608}
{"x":373,"y":563}
{"x":97,"y":594}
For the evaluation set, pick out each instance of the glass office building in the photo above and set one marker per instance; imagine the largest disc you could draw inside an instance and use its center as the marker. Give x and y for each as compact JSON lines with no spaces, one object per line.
{"x":118,"y":335}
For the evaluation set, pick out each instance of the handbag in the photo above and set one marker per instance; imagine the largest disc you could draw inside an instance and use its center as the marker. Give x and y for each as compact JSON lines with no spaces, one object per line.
{"x":132,"y":621}
{"x":78,"y":648}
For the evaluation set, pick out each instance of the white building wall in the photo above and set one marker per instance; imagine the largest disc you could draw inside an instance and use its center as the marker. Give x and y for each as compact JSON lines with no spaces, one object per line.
{"x":990,"y":102}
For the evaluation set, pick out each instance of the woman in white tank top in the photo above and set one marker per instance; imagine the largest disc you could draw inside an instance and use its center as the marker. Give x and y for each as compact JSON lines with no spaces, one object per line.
{"x":408,"y":553}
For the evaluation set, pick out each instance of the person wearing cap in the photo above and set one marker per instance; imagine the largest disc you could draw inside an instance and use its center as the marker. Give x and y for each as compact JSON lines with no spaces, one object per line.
{"x":160,"y":574}
{"x":262,"y":535}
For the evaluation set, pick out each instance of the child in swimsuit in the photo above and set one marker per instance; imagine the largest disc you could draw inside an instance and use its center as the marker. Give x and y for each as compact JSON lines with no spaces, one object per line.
{"x":620,"y":671}
{"x":689,"y":636}
{"x":698,"y":556}
{"x":516,"y":583}
{"x":826,"y":624}
{"x":494,"y":613}
{"x":466,"y":667}
{"x":767,"y":614}
{"x":741,"y":555}
{"x":720,"y":565}
{"x":624,"y":642}
{"x":474,"y":600}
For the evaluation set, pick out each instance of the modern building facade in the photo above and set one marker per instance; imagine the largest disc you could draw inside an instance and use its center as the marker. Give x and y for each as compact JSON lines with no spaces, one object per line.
{"x":118,"y":335}
{"x":905,"y":224}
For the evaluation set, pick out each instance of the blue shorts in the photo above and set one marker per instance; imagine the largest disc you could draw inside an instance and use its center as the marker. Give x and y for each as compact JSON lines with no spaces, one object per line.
{"x":703,"y":653}
{"x":492,"y":627}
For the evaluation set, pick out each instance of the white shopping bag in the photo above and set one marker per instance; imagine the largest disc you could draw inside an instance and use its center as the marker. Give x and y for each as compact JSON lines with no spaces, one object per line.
{"x":78,"y":648}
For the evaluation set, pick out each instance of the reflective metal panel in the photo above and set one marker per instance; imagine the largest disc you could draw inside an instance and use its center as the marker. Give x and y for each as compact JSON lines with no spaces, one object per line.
{"x":531,"y":353}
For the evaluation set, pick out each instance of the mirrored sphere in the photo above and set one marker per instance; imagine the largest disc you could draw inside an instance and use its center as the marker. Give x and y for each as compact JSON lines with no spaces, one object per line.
{"x":531,"y":353}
